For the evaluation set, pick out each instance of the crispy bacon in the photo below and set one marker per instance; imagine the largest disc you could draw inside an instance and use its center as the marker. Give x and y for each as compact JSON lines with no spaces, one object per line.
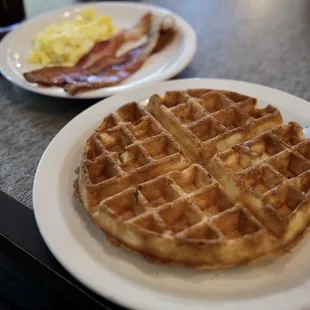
{"x":60,"y":76}
{"x":101,"y":50}
{"x":129,"y":64}
{"x":113,"y":75}
{"x":101,"y":67}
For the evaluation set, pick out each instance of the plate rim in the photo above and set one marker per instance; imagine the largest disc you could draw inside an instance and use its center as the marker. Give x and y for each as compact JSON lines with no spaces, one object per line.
{"x":157,"y":303}
{"x":188,"y":55}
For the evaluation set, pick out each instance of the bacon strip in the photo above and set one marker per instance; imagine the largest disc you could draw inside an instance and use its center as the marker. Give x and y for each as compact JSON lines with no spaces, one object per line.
{"x":113,"y":75}
{"x":61,"y":75}
{"x":97,"y":52}
{"x":129,"y":64}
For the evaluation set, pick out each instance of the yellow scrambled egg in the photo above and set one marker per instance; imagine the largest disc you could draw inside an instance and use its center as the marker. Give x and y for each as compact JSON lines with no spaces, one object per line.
{"x":65,"y":43}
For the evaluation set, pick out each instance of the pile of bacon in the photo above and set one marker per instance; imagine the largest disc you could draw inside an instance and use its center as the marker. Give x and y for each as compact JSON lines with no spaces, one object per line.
{"x":103,"y":66}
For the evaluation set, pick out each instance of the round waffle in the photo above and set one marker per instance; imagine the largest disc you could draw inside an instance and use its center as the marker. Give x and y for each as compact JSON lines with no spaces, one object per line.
{"x":202,"y":178}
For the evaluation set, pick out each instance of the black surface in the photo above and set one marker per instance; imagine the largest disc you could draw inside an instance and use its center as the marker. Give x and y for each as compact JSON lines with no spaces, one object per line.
{"x":36,"y":269}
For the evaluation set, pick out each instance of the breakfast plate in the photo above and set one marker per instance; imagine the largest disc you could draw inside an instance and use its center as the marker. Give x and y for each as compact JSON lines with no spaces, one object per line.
{"x":128,"y":279}
{"x":16,"y":47}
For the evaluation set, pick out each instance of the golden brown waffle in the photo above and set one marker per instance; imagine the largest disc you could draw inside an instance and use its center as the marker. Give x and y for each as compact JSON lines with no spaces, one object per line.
{"x":202,"y":178}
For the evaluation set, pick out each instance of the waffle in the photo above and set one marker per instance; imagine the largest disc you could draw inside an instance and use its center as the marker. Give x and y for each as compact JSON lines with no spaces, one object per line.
{"x":201,"y":178}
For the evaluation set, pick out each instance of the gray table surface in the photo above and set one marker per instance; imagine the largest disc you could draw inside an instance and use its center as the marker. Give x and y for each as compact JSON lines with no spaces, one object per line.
{"x":265,"y":41}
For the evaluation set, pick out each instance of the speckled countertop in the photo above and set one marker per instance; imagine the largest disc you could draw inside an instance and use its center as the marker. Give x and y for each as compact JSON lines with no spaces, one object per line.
{"x":265,"y":41}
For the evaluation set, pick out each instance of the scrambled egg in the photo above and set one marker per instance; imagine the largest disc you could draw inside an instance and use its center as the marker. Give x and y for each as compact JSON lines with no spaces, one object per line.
{"x":65,"y":43}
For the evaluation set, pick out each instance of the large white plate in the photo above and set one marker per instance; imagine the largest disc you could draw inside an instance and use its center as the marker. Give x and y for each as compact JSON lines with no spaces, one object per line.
{"x":15,"y":47}
{"x":125,"y":277}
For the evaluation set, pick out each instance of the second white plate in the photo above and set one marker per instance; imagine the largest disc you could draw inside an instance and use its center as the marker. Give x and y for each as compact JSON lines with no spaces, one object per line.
{"x":15,"y":47}
{"x":128,"y":279}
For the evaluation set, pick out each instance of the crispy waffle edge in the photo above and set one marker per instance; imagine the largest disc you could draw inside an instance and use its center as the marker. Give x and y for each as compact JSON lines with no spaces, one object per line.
{"x":159,"y":259}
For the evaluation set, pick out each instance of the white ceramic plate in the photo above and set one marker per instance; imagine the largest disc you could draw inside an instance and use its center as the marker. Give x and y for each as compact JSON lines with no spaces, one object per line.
{"x":125,"y":277}
{"x":15,"y":47}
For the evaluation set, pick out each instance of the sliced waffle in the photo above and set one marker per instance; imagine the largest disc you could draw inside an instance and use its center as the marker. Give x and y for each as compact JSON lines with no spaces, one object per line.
{"x":127,"y":149}
{"x":202,"y":178}
{"x":207,"y":122}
